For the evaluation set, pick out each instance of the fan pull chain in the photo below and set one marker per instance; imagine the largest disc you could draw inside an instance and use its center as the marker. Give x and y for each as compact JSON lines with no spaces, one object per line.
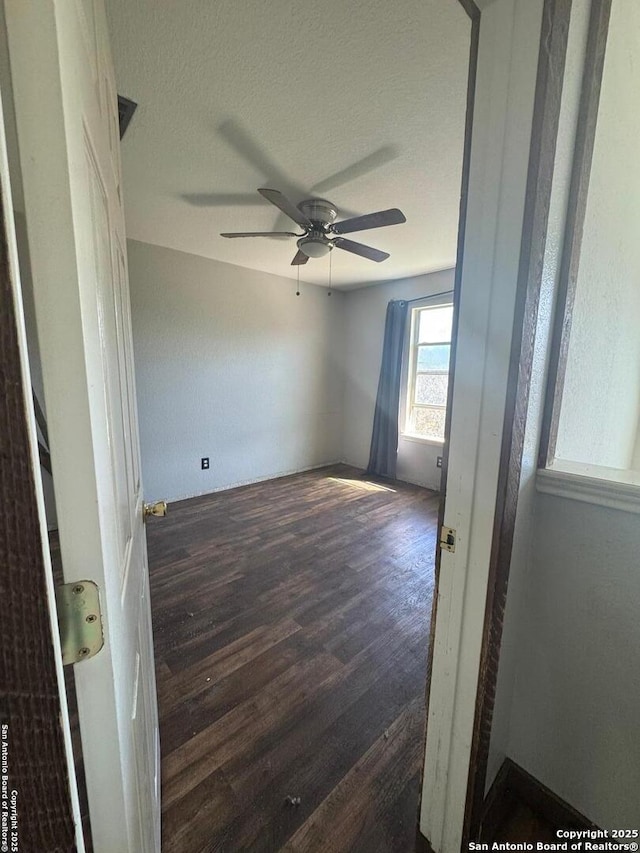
{"x":329,"y":293}
{"x":298,"y":287}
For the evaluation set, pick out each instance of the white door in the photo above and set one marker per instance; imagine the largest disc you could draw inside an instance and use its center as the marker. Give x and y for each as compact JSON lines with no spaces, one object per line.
{"x":502,"y":118}
{"x":67,"y":125}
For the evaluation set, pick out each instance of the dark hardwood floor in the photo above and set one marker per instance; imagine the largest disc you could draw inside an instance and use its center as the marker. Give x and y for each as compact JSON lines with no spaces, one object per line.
{"x":291,"y":622}
{"x":523,"y":823}
{"x":291,"y":628}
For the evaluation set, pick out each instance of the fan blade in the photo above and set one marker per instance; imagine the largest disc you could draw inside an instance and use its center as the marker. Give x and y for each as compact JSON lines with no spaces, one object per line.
{"x":285,"y":206}
{"x":393,"y":216}
{"x":261,"y":234}
{"x":299,"y":259}
{"x":360,"y":249}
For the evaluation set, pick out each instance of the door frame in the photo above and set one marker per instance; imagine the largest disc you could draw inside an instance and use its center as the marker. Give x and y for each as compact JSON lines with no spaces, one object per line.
{"x":32,"y":691}
{"x":513,"y":131}
{"x":554,"y":39}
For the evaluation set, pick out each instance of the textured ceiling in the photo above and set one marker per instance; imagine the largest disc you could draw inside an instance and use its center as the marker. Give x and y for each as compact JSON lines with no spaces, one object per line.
{"x":360,"y":102}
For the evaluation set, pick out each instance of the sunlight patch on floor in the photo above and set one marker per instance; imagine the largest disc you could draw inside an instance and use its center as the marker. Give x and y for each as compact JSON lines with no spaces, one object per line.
{"x":363,"y":485}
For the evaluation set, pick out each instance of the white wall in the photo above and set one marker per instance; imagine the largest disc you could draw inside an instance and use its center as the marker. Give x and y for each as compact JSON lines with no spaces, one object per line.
{"x":230,"y":364}
{"x":601,"y":395}
{"x":365,"y":311}
{"x":569,"y":683}
{"x":575,"y":723}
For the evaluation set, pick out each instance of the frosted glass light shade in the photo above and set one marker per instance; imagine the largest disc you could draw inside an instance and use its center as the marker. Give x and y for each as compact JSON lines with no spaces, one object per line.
{"x":314,"y":248}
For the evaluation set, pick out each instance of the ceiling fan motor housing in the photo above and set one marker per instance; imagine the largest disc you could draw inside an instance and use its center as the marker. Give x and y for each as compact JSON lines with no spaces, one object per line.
{"x":318,"y":210}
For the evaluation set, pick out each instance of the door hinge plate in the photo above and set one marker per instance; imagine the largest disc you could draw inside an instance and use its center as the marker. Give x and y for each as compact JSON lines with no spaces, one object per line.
{"x":448,"y":539}
{"x":79,"y":621}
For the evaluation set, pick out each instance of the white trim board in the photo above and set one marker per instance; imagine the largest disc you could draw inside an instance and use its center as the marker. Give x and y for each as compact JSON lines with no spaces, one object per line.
{"x":593,"y":490}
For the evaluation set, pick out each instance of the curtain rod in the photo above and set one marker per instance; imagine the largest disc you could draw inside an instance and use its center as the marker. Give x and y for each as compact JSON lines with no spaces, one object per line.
{"x":431,"y":296}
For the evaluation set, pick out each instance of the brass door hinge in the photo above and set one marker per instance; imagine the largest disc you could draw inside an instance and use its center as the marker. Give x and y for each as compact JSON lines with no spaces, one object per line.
{"x":79,"y":621}
{"x":448,"y":539}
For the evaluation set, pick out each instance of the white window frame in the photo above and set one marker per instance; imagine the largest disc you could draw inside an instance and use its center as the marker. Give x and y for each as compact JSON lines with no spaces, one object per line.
{"x":409,"y":371}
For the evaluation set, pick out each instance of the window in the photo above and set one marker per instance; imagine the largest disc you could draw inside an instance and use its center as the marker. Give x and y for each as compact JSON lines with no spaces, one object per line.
{"x":428,"y":373}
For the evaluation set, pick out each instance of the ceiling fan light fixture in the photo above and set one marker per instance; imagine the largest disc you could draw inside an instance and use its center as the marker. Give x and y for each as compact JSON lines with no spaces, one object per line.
{"x":315,"y":247}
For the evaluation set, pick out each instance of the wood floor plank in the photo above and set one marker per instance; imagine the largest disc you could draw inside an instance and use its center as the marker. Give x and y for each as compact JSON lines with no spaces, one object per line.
{"x":324,"y":715}
{"x":233,"y":734}
{"x":200,"y":675}
{"x":181,"y":723}
{"x":376,"y":779}
{"x":267,"y":821}
{"x":305,"y":601}
{"x":394,"y":827}
{"x":186,"y":823}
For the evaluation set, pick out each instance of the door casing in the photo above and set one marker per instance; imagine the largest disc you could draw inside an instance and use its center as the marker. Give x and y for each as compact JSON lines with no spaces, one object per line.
{"x":487,"y":314}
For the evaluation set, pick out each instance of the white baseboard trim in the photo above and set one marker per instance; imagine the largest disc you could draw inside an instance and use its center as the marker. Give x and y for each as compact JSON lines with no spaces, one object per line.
{"x":263,"y":479}
{"x":422,"y":484}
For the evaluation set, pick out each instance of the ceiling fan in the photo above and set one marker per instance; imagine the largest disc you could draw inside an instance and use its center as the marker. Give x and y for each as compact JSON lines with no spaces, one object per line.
{"x":316,"y":217}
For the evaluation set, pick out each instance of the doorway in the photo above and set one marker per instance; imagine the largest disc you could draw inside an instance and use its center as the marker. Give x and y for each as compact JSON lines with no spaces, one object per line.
{"x":498,"y":160}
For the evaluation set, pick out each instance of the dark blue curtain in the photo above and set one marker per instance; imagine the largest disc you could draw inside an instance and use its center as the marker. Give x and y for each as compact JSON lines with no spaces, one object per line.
{"x":384,"y":440}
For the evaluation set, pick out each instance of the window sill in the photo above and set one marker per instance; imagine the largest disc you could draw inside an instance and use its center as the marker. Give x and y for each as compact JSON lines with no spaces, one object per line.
{"x":419,"y":439}
{"x":590,"y":484}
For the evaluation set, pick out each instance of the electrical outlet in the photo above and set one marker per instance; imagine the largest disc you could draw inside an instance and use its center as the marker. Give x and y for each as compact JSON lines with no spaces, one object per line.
{"x":204,"y":463}
{"x":438,"y":461}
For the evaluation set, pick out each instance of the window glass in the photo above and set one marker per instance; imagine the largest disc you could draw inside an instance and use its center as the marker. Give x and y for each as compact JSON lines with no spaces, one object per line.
{"x":429,"y":422}
{"x":433,"y":357}
{"x":431,"y":389}
{"x":435,"y":325}
{"x":428,"y":373}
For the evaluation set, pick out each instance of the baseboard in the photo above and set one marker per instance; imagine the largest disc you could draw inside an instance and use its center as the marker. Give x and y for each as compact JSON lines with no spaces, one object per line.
{"x":276,"y":476}
{"x":397,"y":479}
{"x":513,"y":785}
